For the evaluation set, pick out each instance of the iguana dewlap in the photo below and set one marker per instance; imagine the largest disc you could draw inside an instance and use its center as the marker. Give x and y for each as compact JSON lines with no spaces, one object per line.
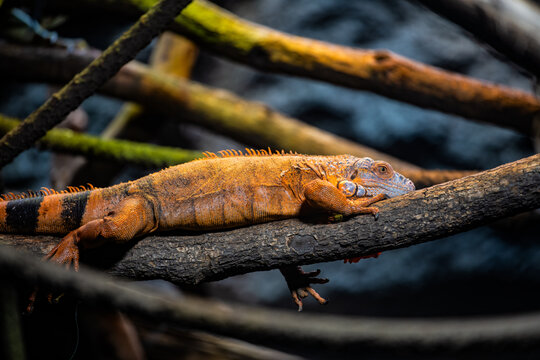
{"x":211,"y":193}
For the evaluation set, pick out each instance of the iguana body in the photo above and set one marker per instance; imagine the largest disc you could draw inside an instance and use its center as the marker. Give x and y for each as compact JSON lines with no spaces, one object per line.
{"x":211,"y":193}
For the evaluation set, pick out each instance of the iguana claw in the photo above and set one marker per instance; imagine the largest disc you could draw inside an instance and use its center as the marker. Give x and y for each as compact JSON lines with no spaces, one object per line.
{"x":299,"y":283}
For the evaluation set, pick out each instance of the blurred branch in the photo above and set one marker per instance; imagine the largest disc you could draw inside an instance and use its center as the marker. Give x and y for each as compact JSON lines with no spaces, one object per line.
{"x":512,"y":27}
{"x":378,"y":71}
{"x":65,"y":140}
{"x":10,"y":323}
{"x":198,"y":345}
{"x":84,"y":84}
{"x":173,"y":55}
{"x":249,"y":122}
{"x":320,"y":332}
{"x":424,"y":215}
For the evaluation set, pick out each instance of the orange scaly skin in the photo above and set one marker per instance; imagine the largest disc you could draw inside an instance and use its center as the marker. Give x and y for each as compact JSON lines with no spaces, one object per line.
{"x":211,"y":193}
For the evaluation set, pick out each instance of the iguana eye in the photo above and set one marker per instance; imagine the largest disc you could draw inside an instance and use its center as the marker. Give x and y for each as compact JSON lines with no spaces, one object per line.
{"x":347,"y":187}
{"x":383,"y":170}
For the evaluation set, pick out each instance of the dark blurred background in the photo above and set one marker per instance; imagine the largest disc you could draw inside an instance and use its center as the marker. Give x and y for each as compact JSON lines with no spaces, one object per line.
{"x":486,"y":271}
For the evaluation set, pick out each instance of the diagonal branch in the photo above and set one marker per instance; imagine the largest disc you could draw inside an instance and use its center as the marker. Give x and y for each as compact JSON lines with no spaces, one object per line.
{"x":379,"y":71}
{"x":84,"y":84}
{"x":417,"y":217}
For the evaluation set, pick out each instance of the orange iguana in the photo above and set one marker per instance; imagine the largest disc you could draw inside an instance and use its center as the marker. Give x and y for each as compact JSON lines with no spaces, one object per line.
{"x":215,"y":192}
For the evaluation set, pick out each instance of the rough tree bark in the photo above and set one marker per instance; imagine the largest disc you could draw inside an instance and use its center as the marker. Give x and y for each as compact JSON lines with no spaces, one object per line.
{"x":379,"y":71}
{"x":84,"y":84}
{"x":417,"y":217}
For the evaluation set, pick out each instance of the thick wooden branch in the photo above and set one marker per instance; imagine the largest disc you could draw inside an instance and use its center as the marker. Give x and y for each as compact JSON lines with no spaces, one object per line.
{"x":320,"y":332}
{"x":511,"y":27}
{"x":417,"y":217}
{"x":379,"y":71}
{"x":250,"y":122}
{"x":85,"y":83}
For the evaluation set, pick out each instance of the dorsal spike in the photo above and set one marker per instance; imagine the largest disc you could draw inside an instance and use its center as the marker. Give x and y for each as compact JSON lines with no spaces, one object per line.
{"x":44,"y":191}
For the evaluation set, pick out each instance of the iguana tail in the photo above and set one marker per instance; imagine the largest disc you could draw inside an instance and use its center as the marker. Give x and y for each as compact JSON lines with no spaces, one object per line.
{"x":52,"y":212}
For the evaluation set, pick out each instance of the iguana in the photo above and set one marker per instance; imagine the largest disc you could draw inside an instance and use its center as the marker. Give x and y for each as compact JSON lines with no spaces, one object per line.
{"x":218,"y":191}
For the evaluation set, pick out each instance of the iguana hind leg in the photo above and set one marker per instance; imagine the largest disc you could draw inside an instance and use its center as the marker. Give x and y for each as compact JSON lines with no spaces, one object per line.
{"x":299,"y":283}
{"x":132,"y":217}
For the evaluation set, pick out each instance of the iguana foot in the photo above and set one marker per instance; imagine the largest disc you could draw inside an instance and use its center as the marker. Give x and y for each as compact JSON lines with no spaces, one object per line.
{"x":299,"y":283}
{"x":357,"y":259}
{"x":65,"y":253}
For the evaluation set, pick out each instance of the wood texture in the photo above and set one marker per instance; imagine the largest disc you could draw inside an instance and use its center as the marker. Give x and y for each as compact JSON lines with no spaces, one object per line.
{"x":417,"y":217}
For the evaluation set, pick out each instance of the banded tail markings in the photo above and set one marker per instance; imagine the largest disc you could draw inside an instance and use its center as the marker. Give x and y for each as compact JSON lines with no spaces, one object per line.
{"x":21,"y":215}
{"x":42,"y":211}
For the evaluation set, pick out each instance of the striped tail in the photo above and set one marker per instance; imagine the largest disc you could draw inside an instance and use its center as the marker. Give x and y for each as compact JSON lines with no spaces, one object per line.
{"x":54,"y":213}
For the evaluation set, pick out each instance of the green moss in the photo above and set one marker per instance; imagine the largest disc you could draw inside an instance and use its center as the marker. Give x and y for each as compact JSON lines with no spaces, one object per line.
{"x":64,"y":140}
{"x":209,"y":23}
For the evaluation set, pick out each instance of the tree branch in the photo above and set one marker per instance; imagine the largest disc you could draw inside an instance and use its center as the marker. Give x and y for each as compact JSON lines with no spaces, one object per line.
{"x":123,"y":151}
{"x":249,"y":122}
{"x":511,"y":27}
{"x":378,"y":71}
{"x":90,"y":79}
{"x":417,"y":217}
{"x":273,"y":326}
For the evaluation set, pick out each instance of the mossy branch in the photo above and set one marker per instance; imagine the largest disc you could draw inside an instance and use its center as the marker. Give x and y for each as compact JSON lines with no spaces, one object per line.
{"x":68,"y":141}
{"x":379,"y":71}
{"x":250,"y":122}
{"x":84,"y":84}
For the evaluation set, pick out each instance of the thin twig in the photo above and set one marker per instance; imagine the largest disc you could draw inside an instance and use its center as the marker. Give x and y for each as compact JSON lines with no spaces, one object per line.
{"x":84,"y":84}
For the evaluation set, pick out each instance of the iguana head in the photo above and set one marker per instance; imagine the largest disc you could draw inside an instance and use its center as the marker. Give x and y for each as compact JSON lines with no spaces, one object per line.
{"x":367,"y":177}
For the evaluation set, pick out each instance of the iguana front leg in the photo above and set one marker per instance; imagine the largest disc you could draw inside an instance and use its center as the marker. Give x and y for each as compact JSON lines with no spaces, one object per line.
{"x":323,"y":195}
